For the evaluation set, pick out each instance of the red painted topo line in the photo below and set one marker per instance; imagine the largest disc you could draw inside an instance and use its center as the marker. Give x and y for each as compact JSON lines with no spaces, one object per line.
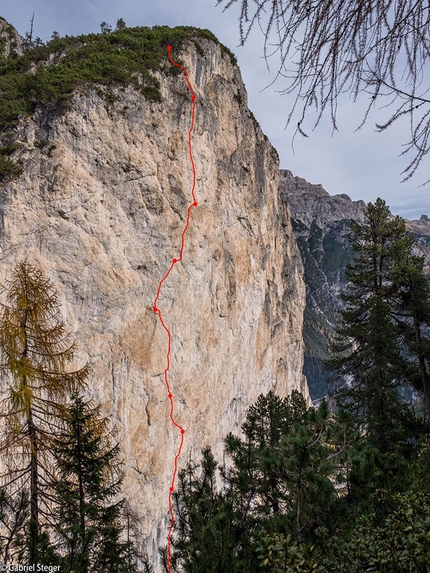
{"x":157,"y":310}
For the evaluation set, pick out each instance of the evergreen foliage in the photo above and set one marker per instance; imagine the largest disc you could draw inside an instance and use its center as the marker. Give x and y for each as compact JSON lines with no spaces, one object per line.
{"x":87,"y":483}
{"x":120,"y":25}
{"x":282,"y":465}
{"x":208,"y":533}
{"x":35,"y":350}
{"x":304,"y":492}
{"x":375,"y":339}
{"x":279,"y":489}
{"x":279,"y":554}
{"x":413,"y":321}
{"x":8,"y":168}
{"x":400,"y":543}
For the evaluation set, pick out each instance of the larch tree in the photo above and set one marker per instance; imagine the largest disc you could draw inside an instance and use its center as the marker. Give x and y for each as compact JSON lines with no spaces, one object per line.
{"x":328,"y":48}
{"x":35,"y":350}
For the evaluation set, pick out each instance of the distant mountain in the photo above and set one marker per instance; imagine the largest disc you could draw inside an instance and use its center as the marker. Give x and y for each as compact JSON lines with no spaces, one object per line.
{"x":321,"y":223}
{"x":421,"y":231}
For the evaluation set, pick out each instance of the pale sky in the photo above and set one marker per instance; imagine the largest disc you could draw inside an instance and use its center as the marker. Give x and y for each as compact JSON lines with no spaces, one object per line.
{"x":364,"y":165}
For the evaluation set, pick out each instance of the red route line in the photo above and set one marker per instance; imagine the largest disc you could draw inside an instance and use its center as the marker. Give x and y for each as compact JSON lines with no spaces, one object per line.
{"x":157,"y":310}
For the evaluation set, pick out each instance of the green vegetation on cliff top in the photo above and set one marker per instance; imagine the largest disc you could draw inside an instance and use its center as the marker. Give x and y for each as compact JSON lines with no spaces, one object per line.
{"x":49,"y":73}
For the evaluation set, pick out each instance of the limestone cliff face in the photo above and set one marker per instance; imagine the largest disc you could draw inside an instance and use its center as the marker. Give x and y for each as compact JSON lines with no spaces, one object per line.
{"x":101,"y":206}
{"x":10,"y":41}
{"x":321,"y":224}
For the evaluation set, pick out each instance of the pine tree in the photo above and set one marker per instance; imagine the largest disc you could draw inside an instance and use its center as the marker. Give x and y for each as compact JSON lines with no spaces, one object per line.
{"x":281,"y":473}
{"x":34,"y":350}
{"x":88,"y":482}
{"x":207,"y":534}
{"x":279,"y":483}
{"x":120,"y":25}
{"x":262,"y":489}
{"x":368,"y":348}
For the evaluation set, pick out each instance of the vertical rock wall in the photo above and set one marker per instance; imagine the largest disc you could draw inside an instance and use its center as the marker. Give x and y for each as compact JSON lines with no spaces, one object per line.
{"x":101,"y":207}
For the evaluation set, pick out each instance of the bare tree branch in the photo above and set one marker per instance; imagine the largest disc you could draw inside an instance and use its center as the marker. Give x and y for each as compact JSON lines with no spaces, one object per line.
{"x":330,"y":47}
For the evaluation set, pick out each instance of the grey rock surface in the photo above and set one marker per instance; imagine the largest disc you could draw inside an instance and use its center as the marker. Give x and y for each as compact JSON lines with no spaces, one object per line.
{"x":101,"y":206}
{"x":10,"y":40}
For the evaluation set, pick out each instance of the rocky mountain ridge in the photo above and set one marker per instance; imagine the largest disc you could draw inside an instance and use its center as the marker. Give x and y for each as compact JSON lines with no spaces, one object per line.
{"x":311,"y":203}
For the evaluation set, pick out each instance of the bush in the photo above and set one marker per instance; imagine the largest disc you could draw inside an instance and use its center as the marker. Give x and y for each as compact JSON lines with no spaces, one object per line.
{"x":8,"y":168}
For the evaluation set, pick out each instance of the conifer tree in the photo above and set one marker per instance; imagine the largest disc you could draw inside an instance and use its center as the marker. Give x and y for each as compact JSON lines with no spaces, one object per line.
{"x":280,"y":475}
{"x":120,"y":25}
{"x":35,"y":350}
{"x":88,"y":482}
{"x":262,"y":489}
{"x":413,"y":322}
{"x":207,"y":532}
{"x":280,"y":482}
{"x":369,"y":348}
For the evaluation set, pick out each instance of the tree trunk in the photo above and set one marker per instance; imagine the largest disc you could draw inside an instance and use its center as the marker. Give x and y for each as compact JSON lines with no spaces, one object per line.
{"x":82,"y":504}
{"x":34,"y":488}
